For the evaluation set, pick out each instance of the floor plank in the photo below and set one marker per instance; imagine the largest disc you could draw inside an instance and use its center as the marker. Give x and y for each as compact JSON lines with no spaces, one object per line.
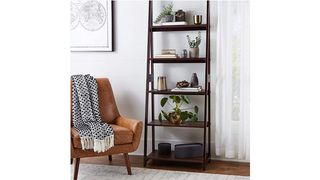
{"x":215,"y":167}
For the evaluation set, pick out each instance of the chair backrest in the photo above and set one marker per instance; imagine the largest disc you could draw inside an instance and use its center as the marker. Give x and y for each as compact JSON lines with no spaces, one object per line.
{"x":107,"y":104}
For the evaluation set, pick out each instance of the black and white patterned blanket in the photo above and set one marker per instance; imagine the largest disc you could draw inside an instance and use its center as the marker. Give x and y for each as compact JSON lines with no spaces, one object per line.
{"x":94,"y":133}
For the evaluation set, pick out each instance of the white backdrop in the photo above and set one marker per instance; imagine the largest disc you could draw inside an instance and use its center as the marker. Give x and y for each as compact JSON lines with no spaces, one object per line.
{"x":126,"y":67}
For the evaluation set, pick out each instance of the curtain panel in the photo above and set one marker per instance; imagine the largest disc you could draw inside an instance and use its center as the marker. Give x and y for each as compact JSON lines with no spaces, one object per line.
{"x":232,"y":121}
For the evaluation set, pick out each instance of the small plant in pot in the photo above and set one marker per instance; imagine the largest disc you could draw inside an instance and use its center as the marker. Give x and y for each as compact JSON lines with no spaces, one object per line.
{"x":178,"y":115}
{"x":194,"y":45}
{"x":166,"y":14}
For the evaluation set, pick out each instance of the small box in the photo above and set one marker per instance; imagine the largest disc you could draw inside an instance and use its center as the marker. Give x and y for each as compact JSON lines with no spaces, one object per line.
{"x":189,"y":150}
{"x":164,"y":148}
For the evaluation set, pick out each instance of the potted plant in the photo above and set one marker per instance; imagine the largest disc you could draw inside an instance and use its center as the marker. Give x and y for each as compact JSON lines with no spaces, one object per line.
{"x":194,"y":45}
{"x":166,"y":13}
{"x":178,"y":115}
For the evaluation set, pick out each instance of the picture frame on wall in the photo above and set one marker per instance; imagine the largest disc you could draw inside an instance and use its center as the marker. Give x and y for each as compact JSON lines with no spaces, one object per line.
{"x":91,"y":25}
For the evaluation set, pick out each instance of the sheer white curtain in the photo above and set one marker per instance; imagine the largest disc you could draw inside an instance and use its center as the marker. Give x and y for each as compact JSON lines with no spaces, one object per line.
{"x":232,"y":139}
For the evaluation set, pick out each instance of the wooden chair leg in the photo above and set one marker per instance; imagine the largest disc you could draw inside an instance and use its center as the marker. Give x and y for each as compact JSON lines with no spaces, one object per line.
{"x":76,"y":169}
{"x":110,"y":158}
{"x":127,"y":160}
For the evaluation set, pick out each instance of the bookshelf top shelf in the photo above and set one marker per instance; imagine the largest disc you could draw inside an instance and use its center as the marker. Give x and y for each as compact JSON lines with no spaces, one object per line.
{"x":160,"y":28}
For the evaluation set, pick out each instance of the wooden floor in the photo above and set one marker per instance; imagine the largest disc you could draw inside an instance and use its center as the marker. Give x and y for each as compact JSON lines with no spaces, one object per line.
{"x":215,"y":167}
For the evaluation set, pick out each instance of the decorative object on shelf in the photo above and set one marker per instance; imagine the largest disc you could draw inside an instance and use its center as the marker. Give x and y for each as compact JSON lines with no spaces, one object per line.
{"x":180,"y":15}
{"x":177,"y":114}
{"x":91,"y":25}
{"x":197,"y":19}
{"x":190,"y":150}
{"x":187,"y":89}
{"x":184,"y":53}
{"x":194,"y":45}
{"x":162,"y":83}
{"x":183,"y":83}
{"x":164,"y":148}
{"x":165,"y":14}
{"x":194,"y":80}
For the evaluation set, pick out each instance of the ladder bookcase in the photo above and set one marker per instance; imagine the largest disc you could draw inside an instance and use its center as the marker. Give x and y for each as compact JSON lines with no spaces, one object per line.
{"x":204,"y":124}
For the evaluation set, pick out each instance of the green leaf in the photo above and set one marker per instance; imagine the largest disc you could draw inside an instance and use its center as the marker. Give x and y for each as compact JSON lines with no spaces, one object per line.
{"x":185,"y":99}
{"x":175,"y":99}
{"x":178,"y":99}
{"x":196,"y":109}
{"x":165,"y":115}
{"x":194,"y":118}
{"x":190,"y":114}
{"x":163,"y":101}
{"x":160,"y":117}
{"x":184,"y":115}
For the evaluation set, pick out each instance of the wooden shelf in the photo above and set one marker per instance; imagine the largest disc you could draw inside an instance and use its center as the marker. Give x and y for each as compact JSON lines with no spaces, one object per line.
{"x":156,"y":156}
{"x":200,"y":27}
{"x":202,"y":92}
{"x":151,"y":91}
{"x":186,"y":124}
{"x":178,"y":60}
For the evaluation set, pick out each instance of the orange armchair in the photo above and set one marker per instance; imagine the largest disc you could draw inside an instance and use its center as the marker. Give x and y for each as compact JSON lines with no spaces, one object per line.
{"x":127,"y":132}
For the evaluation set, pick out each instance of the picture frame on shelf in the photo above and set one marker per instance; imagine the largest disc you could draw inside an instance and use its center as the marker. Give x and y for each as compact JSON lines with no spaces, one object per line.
{"x":91,"y":25}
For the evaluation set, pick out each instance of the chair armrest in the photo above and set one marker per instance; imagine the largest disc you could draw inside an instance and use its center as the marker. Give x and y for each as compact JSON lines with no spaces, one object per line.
{"x":134,"y":125}
{"x":131,"y":124}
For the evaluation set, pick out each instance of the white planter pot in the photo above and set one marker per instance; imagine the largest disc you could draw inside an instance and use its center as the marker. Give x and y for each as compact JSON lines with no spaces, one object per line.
{"x":194,"y":52}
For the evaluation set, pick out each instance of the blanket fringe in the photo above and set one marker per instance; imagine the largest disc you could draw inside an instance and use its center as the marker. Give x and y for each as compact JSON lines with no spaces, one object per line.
{"x":96,"y":144}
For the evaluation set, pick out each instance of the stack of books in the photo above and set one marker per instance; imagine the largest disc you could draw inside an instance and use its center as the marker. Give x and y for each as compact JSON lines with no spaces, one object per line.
{"x":167,"y":53}
{"x":188,"y":89}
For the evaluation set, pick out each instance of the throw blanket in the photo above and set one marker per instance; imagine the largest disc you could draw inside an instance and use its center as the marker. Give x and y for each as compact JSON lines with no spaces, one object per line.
{"x":94,"y":133}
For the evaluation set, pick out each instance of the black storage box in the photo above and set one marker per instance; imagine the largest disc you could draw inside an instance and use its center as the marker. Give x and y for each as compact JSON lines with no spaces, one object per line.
{"x":190,"y":150}
{"x":164,"y":148}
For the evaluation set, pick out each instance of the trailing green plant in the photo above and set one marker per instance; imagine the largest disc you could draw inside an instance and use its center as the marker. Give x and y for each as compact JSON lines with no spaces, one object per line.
{"x":167,"y":10}
{"x":175,"y":102}
{"x":194,"y":43}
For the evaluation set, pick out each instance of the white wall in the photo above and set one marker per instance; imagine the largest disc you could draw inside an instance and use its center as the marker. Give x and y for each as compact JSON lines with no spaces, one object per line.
{"x":126,"y":67}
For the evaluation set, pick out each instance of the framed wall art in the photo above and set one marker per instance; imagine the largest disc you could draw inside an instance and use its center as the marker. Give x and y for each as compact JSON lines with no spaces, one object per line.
{"x":91,"y":25}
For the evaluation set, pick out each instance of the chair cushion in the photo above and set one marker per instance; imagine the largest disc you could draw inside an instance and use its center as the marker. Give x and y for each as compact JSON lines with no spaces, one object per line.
{"x":122,"y":135}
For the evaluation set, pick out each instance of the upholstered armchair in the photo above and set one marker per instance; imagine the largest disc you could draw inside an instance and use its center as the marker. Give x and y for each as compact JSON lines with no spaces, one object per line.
{"x":127,"y":132}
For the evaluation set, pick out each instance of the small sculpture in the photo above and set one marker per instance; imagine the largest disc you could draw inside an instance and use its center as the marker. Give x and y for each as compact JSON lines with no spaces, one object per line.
{"x":182,"y":84}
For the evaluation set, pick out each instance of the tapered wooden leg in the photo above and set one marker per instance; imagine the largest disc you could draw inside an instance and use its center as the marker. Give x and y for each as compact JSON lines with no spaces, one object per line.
{"x":127,"y":160}
{"x":76,"y":169}
{"x":110,"y":158}
{"x":71,"y":161}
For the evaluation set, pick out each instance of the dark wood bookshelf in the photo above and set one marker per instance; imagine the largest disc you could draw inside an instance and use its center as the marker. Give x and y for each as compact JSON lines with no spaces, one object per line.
{"x":171,"y":157}
{"x":178,"y":60}
{"x":150,"y":119}
{"x":168,"y":91}
{"x":160,"y":28}
{"x":186,"y":124}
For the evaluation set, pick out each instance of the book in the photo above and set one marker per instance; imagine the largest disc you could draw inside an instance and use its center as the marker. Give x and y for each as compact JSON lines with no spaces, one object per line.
{"x":187,"y":89}
{"x":168,"y":51}
{"x":174,"y":23}
{"x":166,"y":56}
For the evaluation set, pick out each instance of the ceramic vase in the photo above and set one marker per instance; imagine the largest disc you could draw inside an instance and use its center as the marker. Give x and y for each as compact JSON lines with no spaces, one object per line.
{"x":168,"y":18}
{"x":194,"y":80}
{"x":194,"y":52}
